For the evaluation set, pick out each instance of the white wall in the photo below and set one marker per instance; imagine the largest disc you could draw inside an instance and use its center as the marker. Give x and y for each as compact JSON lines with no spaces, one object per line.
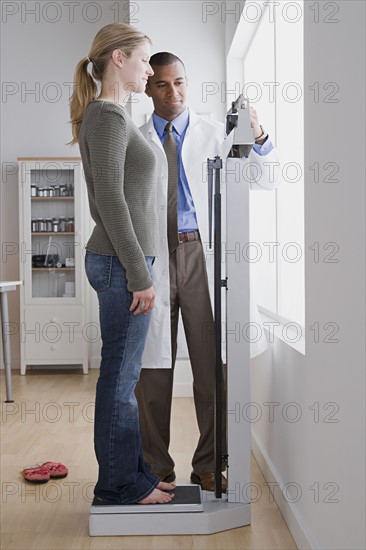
{"x":232,"y":14}
{"x":185,"y":29}
{"x":324,"y":458}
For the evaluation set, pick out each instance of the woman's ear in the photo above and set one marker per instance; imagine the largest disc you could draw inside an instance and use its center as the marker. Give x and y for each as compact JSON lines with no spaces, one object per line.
{"x":118,"y":57}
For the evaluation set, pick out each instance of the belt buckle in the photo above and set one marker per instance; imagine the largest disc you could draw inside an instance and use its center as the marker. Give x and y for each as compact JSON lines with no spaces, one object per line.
{"x":185,"y":236}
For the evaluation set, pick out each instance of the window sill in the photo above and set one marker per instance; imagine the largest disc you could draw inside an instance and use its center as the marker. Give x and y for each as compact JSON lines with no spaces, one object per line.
{"x":290,"y":332}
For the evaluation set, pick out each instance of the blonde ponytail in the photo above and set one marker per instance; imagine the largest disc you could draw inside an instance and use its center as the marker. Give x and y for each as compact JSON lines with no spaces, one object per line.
{"x":109,"y":38}
{"x":85,"y":91}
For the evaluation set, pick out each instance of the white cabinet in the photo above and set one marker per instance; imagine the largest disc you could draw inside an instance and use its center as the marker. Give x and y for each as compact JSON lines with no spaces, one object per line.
{"x":54,"y":216}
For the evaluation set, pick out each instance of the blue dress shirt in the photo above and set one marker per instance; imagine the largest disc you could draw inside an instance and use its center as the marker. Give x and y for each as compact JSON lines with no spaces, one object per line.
{"x":187,"y":220}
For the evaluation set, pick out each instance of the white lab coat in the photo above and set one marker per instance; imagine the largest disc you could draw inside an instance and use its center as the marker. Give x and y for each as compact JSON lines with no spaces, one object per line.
{"x":204,"y":139}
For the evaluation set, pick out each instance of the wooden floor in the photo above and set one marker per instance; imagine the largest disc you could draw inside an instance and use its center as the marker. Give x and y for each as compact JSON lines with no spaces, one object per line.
{"x":52,"y":419}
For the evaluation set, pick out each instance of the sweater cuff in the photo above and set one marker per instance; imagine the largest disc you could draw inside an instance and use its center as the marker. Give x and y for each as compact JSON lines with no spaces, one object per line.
{"x":138,"y":277}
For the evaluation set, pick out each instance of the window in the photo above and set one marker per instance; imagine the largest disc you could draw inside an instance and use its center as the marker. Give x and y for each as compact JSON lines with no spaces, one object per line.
{"x":273,"y":76}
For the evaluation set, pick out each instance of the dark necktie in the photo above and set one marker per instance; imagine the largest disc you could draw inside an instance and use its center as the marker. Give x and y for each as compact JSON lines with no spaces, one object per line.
{"x":170,"y":148}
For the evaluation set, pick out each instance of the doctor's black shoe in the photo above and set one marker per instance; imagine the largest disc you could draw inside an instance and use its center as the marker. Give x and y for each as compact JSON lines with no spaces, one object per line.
{"x":207,"y":481}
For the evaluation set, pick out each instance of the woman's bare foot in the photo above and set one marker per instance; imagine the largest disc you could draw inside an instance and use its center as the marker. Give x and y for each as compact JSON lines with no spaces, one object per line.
{"x":157,"y":497}
{"x":165,"y":486}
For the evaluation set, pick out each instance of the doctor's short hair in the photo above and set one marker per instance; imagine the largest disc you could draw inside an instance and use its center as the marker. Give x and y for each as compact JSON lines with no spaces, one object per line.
{"x":161,"y":59}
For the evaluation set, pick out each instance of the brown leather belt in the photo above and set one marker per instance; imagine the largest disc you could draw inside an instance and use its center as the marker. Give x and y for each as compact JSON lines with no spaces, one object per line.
{"x":188,"y":236}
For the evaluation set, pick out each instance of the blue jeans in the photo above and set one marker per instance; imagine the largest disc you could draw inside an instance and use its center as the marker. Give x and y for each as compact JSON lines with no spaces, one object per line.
{"x":124,"y":477}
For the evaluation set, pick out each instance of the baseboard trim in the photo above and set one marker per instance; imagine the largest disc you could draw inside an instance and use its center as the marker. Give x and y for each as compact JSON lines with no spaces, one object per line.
{"x":288,"y":510}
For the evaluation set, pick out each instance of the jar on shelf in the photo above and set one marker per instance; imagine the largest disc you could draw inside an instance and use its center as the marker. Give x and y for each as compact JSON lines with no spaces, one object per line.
{"x":48,"y":224}
{"x":56,"y":190}
{"x":34,"y":225}
{"x":63,"y":191}
{"x":33,"y":190}
{"x":70,"y":226}
{"x":40,"y":192}
{"x":41,"y":225}
{"x":51,"y":191}
{"x":62,"y":224}
{"x":56,"y":225}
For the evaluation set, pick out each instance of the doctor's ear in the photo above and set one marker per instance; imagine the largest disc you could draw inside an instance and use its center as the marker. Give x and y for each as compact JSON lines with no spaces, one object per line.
{"x":147,"y":90}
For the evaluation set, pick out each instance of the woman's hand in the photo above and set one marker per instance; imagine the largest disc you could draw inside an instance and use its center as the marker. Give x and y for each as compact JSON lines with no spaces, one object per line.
{"x":143,"y":301}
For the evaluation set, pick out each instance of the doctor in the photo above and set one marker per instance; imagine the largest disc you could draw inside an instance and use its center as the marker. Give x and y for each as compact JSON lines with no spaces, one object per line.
{"x":184,"y":268}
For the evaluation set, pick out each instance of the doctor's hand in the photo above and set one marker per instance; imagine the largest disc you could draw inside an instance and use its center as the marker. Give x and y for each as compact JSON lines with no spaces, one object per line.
{"x":254,"y":122}
{"x":143,"y":301}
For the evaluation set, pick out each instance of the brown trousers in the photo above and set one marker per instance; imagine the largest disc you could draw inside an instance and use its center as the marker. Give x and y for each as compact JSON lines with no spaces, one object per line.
{"x":189,"y":293}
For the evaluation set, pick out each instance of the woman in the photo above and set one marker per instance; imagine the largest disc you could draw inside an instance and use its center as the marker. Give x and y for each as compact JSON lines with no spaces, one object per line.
{"x":119,"y":170}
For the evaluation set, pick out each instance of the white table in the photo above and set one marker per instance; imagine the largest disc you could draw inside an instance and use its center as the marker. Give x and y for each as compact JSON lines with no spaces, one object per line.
{"x":5,"y":287}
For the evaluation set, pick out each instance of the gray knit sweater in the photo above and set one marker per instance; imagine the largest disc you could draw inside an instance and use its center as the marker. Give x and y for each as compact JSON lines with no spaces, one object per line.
{"x":120,"y":173}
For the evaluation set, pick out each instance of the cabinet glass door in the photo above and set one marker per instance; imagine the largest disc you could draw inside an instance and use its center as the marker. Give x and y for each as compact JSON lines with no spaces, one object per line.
{"x":53,"y":245}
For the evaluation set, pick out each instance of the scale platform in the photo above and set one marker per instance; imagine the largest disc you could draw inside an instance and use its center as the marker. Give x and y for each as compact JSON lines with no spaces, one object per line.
{"x":187,"y":498}
{"x":192,"y":511}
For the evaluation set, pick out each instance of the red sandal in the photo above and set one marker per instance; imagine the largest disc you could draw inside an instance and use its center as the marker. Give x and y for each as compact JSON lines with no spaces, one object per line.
{"x":36,"y":474}
{"x":55,"y":469}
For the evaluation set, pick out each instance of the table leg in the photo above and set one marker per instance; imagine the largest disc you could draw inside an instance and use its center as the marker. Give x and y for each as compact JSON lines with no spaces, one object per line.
{"x":6,"y":346}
